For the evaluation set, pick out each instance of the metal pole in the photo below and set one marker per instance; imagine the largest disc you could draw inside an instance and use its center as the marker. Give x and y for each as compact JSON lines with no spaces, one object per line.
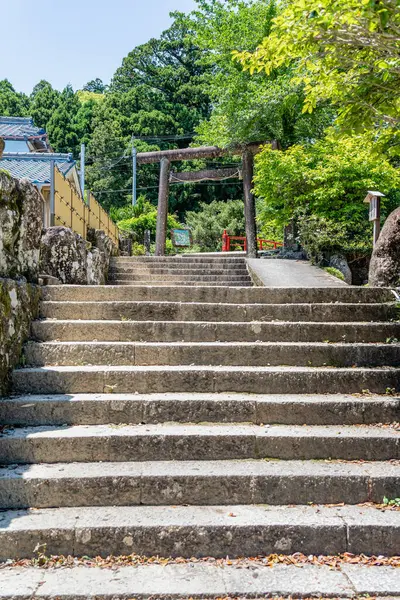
{"x":162,"y":214}
{"x":52,"y":193}
{"x":83,"y":171}
{"x":134,"y":174}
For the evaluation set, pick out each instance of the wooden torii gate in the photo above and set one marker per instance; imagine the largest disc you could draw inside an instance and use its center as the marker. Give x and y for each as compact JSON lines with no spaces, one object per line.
{"x":165,"y":157}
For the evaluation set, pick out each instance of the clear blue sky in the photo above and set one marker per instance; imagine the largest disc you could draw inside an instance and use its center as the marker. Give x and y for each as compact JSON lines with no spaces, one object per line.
{"x":76,"y":40}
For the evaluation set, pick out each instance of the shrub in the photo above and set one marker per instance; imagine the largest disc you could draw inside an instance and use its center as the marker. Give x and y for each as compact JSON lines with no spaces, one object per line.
{"x":208,"y":224}
{"x":334,"y":272}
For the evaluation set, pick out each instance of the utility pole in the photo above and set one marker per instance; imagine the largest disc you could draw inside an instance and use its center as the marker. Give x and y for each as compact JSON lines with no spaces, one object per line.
{"x":134,"y":173}
{"x":52,"y":193}
{"x":83,"y":171}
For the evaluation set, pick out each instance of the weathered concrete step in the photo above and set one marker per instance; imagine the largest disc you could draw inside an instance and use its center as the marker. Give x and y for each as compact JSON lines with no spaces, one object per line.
{"x":290,"y":409}
{"x":162,"y":379}
{"x":199,"y":581}
{"x":197,"y":311}
{"x":177,"y":278}
{"x":255,"y":295}
{"x":178,"y":270}
{"x":211,"y":353}
{"x":200,"y":531}
{"x":197,"y":483}
{"x":213,"y":331}
{"x":184,"y":285}
{"x":172,"y":260}
{"x":184,"y":442}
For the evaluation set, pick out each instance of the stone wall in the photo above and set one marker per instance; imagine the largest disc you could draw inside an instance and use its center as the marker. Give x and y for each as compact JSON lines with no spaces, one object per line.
{"x":20,"y":232}
{"x":21,"y":209}
{"x":19,"y":305}
{"x":26,"y":254}
{"x":66,"y":256}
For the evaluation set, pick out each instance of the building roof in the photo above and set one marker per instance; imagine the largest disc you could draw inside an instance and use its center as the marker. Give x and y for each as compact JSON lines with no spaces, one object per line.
{"x":23,"y":128}
{"x":35,"y":165}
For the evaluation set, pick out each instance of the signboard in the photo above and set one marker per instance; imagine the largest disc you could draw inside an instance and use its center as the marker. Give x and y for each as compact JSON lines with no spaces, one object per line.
{"x":374,"y":209}
{"x":181,"y":238}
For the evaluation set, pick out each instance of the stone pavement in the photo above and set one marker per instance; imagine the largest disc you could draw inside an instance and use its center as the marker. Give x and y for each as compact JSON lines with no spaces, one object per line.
{"x":198,"y":581}
{"x":291,"y":274}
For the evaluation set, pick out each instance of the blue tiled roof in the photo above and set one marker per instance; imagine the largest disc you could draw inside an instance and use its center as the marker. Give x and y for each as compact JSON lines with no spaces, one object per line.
{"x":19,"y":128}
{"x":35,"y":165}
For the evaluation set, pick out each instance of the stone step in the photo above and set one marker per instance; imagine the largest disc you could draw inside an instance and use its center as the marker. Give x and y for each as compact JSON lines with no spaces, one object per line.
{"x":254,"y":295}
{"x":177,"y":278}
{"x":194,"y":331}
{"x":170,"y":581}
{"x":178,"y":270}
{"x":171,"y":260}
{"x":197,"y":311}
{"x":212,"y":353}
{"x":183,"y":442}
{"x":197,"y":483}
{"x":290,"y":409}
{"x":190,"y":531}
{"x":166,"y":283}
{"x":158,"y":379}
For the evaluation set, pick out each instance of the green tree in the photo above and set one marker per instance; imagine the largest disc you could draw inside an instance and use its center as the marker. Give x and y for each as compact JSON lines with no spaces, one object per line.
{"x":45,"y":100}
{"x":12,"y":103}
{"x":247,"y":108}
{"x":62,"y":127}
{"x":96,"y":86}
{"x":343,"y":51}
{"x":326,"y":180}
{"x":208,"y":224}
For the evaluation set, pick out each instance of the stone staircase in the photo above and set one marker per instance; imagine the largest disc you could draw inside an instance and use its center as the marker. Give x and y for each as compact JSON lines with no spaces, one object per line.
{"x":184,"y":269}
{"x":203,"y":421}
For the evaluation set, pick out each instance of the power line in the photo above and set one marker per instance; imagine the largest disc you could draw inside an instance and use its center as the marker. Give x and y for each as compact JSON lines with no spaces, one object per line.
{"x":172,"y":183}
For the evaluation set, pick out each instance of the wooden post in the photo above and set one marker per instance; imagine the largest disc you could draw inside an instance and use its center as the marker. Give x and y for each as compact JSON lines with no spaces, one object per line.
{"x":162,"y":214}
{"x":249,"y":203}
{"x":374,"y":201}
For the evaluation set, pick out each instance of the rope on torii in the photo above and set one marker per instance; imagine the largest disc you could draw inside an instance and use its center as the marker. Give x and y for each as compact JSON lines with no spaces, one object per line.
{"x":204,"y":175}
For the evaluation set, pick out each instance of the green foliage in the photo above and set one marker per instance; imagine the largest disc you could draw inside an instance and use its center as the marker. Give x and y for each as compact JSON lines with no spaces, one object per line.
{"x":12,"y":103}
{"x":334,"y":272}
{"x":208,"y":224}
{"x":391,"y":501}
{"x":95,"y":86}
{"x":138,"y":249}
{"x":344,"y":51}
{"x":319,"y":235}
{"x":248,"y":108}
{"x":44,"y":102}
{"x":146,"y":221}
{"x":129,"y":211}
{"x":324,"y":185}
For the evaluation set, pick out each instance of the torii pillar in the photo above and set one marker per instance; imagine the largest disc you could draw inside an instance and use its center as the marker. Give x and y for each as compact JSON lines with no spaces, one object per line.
{"x":162,"y":211}
{"x":249,"y":202}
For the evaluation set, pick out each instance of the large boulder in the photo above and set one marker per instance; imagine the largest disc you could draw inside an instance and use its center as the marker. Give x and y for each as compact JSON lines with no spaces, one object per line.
{"x":63,"y":254}
{"x":339,"y":262}
{"x":384,"y":268}
{"x":19,"y":304}
{"x":21,"y":209}
{"x":97,"y":269}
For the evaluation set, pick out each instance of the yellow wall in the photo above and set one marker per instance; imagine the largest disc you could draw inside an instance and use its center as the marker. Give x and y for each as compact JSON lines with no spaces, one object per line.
{"x":71,"y":211}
